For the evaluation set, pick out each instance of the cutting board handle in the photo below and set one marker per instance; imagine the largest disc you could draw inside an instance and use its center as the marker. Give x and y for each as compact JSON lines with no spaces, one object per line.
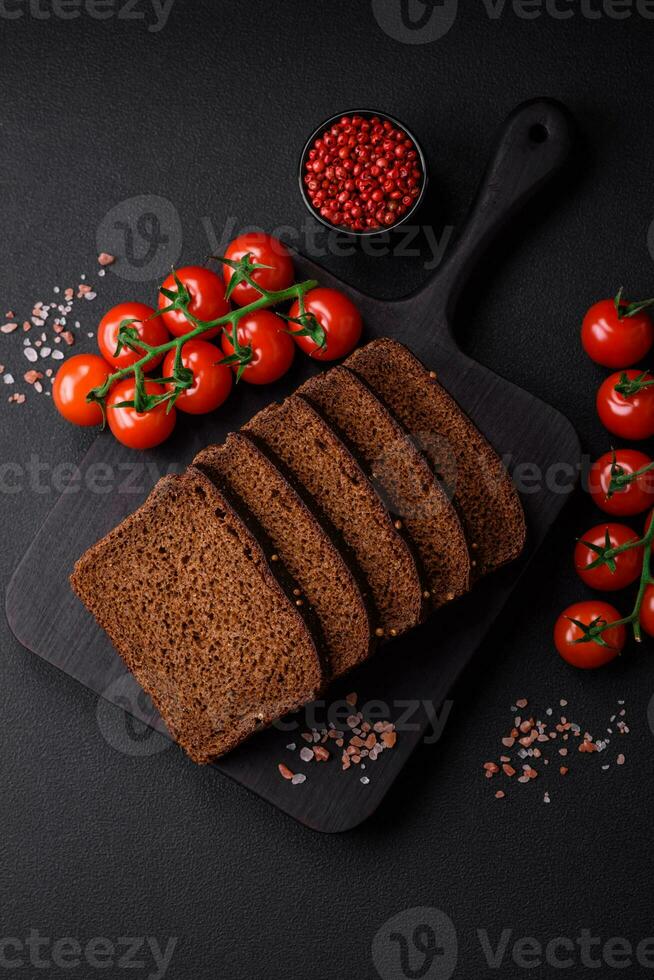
{"x":533,"y":145}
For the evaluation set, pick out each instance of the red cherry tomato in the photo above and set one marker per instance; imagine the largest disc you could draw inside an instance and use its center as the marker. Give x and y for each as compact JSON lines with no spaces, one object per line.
{"x":212,"y":382}
{"x":339,"y":318}
{"x":207,"y":300}
{"x":264,"y":250}
{"x":628,"y":564}
{"x":272,"y":348}
{"x":153,"y":332}
{"x":612,"y":337}
{"x":139,"y":430}
{"x":635,"y":497}
{"x":647,"y":611}
{"x":75,"y":378}
{"x":588,"y":653}
{"x":630,"y":416}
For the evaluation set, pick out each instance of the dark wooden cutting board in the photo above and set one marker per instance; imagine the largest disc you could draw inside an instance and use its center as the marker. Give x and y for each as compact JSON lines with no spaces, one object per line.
{"x":539,"y":444}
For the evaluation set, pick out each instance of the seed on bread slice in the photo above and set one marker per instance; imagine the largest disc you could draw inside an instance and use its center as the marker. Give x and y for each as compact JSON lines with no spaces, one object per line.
{"x":401,"y":474}
{"x":306,"y":544}
{"x":188,"y":597}
{"x":296,"y":433}
{"x":487,"y":501}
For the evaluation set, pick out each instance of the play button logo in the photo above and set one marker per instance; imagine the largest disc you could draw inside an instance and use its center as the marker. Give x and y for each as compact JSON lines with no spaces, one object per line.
{"x":416,"y":944}
{"x":415,"y":21}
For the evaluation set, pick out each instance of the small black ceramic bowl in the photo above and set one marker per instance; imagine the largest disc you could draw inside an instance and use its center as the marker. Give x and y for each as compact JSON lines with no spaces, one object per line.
{"x":365,"y":114}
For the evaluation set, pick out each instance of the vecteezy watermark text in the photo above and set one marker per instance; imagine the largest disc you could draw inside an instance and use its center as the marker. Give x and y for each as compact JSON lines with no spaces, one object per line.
{"x":425,"y":21}
{"x":423,"y":943}
{"x":134,"y":478}
{"x":408,"y":715}
{"x":154,"y":13}
{"x":98,"y":953}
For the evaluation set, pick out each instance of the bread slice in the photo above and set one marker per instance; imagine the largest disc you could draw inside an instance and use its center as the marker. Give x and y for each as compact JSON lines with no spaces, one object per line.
{"x":402,"y":475}
{"x":186,"y":594}
{"x":302,"y":439}
{"x":306,"y":545}
{"x":486,"y":499}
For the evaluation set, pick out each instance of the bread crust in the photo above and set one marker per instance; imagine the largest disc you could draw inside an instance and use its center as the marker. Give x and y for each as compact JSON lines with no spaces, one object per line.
{"x":489,"y":505}
{"x":221,"y":463}
{"x":403,"y":476}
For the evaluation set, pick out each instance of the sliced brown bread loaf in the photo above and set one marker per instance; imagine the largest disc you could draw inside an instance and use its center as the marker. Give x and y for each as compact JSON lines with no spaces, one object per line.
{"x":193,"y":607}
{"x":402,"y":475}
{"x":302,"y":439}
{"x":306,"y":545}
{"x":487,"y":501}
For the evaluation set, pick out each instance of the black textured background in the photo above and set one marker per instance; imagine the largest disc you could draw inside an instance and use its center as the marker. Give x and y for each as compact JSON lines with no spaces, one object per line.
{"x":211,"y":113}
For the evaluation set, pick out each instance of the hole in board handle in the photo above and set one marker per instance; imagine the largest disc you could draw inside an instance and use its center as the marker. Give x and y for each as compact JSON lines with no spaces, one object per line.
{"x":538,"y":133}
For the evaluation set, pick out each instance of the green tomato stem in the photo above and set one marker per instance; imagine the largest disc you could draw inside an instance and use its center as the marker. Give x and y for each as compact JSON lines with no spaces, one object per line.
{"x":633,"y":619}
{"x":268,"y":298}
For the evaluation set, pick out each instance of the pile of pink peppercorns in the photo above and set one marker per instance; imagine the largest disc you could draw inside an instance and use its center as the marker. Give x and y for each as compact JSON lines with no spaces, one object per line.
{"x":363,"y":174}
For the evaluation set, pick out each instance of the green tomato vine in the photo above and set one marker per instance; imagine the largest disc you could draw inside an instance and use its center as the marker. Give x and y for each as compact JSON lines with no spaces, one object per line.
{"x":179,"y":300}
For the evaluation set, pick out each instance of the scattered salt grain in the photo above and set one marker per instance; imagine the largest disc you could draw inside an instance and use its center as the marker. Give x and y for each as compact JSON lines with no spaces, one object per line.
{"x":8,"y":379}
{"x":620,"y":760}
{"x":57,"y":355}
{"x":8,"y":327}
{"x":46,"y":351}
{"x":365,"y":780}
{"x":298,"y":778}
{"x":30,"y":354}
{"x":306,"y":754}
{"x":104,"y":258}
{"x":546,"y":798}
{"x":291,"y":746}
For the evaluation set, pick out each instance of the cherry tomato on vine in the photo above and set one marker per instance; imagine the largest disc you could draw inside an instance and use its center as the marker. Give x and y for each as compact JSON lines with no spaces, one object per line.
{"x":75,"y":378}
{"x":624,"y":569}
{"x":272,"y":347}
{"x":208,"y":301}
{"x":588,"y":653}
{"x":647,"y":611}
{"x":634,"y":497}
{"x":153,"y":332}
{"x":630,"y":416}
{"x":264,"y":250}
{"x":617,"y":334}
{"x":139,"y":430}
{"x":212,"y":382}
{"x":339,"y":318}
